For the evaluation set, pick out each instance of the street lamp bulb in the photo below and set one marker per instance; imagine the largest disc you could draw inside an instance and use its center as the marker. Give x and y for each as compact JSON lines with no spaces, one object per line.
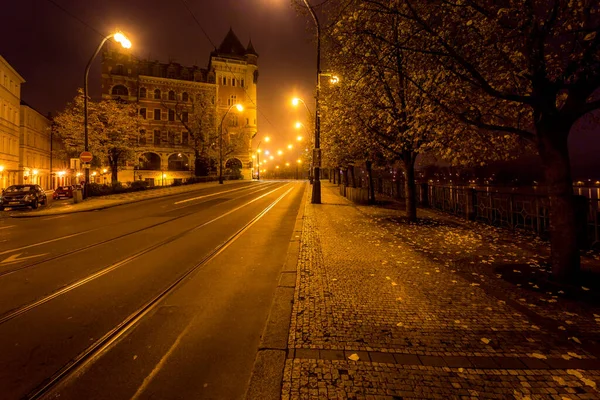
{"x":334,"y":79}
{"x":295,"y":101}
{"x":299,"y":161}
{"x":267,"y":152}
{"x":104,"y":170}
{"x":290,"y":146}
{"x":298,"y":125}
{"x":258,"y":150}
{"x":164,"y":175}
{"x":239,"y":107}
{"x":35,"y":171}
{"x":279,"y":152}
{"x":267,"y":139}
{"x":287,"y":164}
{"x":120,"y":38}
{"x":299,"y":138}
{"x":1,"y":168}
{"x":271,"y":157}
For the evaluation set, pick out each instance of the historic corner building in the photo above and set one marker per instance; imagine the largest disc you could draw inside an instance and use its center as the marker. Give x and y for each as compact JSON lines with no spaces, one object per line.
{"x":165,"y":151}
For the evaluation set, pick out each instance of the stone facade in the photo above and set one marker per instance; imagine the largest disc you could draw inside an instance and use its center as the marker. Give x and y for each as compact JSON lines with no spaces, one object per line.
{"x":34,"y":148}
{"x":10,"y":97}
{"x":166,"y":94}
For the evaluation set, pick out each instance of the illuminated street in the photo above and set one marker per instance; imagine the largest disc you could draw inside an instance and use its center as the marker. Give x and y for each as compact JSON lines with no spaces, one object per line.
{"x":69,"y":281}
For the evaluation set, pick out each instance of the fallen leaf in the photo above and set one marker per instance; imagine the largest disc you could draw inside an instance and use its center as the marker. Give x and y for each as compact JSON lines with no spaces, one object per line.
{"x":574,"y":355}
{"x":354,"y":357}
{"x":573,"y":338}
{"x":538,"y":355}
{"x":485,"y":340}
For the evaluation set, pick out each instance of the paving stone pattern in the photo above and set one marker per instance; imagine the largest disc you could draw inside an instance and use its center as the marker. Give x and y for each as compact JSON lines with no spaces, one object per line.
{"x":419,"y":327}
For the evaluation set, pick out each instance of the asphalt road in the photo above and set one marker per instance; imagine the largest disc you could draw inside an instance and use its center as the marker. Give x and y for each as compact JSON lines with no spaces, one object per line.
{"x":165,"y":298}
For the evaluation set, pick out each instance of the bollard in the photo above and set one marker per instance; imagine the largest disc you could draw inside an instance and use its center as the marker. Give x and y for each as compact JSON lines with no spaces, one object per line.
{"x":77,"y":196}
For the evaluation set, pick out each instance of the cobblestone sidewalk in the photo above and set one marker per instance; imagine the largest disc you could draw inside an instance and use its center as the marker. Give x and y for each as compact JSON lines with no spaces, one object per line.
{"x":378,"y":316}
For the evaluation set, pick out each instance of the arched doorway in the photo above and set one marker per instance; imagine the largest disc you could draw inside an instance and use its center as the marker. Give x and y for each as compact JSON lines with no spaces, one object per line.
{"x":233,"y":166}
{"x":150,"y":161}
{"x":178,"y":162}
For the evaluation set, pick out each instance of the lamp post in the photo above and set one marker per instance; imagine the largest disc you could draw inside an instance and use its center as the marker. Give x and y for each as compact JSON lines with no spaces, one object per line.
{"x":240,"y":108}
{"x":316,"y":192}
{"x":258,"y":151}
{"x":120,"y":38}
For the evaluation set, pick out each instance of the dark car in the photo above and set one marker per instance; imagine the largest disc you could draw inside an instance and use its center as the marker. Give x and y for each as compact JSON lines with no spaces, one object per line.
{"x":63,"y":192}
{"x":23,"y":196}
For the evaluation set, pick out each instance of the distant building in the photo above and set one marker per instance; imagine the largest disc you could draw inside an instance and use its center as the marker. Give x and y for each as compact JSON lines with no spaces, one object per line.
{"x":34,"y":145}
{"x":166,"y":150}
{"x":10,"y":98}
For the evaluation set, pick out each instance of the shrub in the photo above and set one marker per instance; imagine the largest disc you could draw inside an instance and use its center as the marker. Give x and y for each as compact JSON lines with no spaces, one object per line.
{"x":139,"y":185}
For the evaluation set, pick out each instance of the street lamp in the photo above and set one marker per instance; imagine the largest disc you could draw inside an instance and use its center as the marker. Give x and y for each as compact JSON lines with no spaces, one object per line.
{"x":119,"y":38}
{"x":240,"y":108}
{"x":258,"y":151}
{"x":316,"y":192}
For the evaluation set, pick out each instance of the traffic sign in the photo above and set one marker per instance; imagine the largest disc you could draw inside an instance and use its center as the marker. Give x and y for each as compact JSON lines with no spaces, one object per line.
{"x":85,"y":156}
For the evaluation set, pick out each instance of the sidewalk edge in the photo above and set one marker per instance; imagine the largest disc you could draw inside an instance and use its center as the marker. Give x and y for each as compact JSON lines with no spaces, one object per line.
{"x":267,"y":371}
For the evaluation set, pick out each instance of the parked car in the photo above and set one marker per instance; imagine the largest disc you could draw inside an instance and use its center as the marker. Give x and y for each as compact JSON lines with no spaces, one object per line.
{"x":23,"y":196}
{"x":64,"y":192}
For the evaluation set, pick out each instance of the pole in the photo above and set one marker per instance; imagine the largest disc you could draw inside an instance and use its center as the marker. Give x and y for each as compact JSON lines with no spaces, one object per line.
{"x":316,"y":192}
{"x":221,"y":145}
{"x":85,"y":111}
{"x":51,"y":177}
{"x":258,"y":165}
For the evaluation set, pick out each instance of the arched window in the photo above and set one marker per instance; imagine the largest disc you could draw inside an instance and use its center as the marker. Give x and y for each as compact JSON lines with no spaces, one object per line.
{"x":143,"y":92}
{"x":120,"y":90}
{"x":157,"y":94}
{"x":184,"y":96}
{"x":178,"y":162}
{"x":171,"y":95}
{"x":150,"y":161}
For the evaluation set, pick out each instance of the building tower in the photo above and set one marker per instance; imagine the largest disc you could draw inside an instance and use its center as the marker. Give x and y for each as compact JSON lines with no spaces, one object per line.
{"x":236,"y":71}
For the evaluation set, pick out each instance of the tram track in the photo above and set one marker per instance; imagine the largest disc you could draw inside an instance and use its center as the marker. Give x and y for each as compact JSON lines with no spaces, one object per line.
{"x":96,"y":349}
{"x":7,"y":316}
{"x":97,"y":244}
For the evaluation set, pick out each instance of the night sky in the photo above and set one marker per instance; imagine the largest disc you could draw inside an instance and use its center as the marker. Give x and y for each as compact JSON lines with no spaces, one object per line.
{"x":51,"y":48}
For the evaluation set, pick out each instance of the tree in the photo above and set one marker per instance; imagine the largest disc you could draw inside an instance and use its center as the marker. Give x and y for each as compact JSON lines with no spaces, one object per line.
{"x":113,"y":130}
{"x":529,"y":68}
{"x":391,"y":115}
{"x":199,"y":120}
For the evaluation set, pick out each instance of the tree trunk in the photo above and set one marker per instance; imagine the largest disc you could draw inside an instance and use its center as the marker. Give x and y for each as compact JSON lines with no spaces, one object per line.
{"x":352,"y":176}
{"x":553,"y":148}
{"x":114,"y":173}
{"x":408,"y":161}
{"x":368,"y":164}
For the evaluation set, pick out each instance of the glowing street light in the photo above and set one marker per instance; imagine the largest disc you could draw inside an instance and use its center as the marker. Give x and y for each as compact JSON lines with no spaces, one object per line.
{"x":279,"y":152}
{"x":258,"y":151}
{"x":290,"y":146}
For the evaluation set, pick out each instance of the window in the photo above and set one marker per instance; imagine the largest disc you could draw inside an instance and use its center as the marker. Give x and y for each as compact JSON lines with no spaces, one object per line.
{"x":184,"y":96}
{"x":233,"y":82}
{"x":120,"y":90}
{"x":143,"y":92}
{"x":171,"y":95}
{"x":118,"y":70}
{"x":171,"y":137}
{"x":157,"y":94}
{"x":157,"y":114}
{"x":143,"y":112}
{"x":242,"y":83}
{"x":184,"y":137}
{"x":171,"y":115}
{"x":177,"y":138}
{"x":142,"y":137}
{"x":164,"y":137}
{"x":156,"y":138}
{"x":232,"y":100}
{"x":224,"y":81}
{"x":184,"y":116}
{"x":233,"y":120}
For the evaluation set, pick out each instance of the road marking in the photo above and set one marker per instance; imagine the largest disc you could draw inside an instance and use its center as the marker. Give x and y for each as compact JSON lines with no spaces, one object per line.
{"x":161,"y":363}
{"x":6,"y":227}
{"x":15,"y":258}
{"x":48,"y":219}
{"x":42,"y":243}
{"x":207,"y":195}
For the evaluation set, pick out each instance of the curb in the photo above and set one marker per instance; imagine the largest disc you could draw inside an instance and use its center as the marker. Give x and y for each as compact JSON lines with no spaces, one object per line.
{"x":96,"y":208}
{"x":267,"y":371}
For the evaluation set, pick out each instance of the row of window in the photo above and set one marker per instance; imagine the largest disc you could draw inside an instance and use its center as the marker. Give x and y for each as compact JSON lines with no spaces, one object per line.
{"x":158,"y":137}
{"x":170,"y":115}
{"x":157,"y":95}
{"x":225,"y":81}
